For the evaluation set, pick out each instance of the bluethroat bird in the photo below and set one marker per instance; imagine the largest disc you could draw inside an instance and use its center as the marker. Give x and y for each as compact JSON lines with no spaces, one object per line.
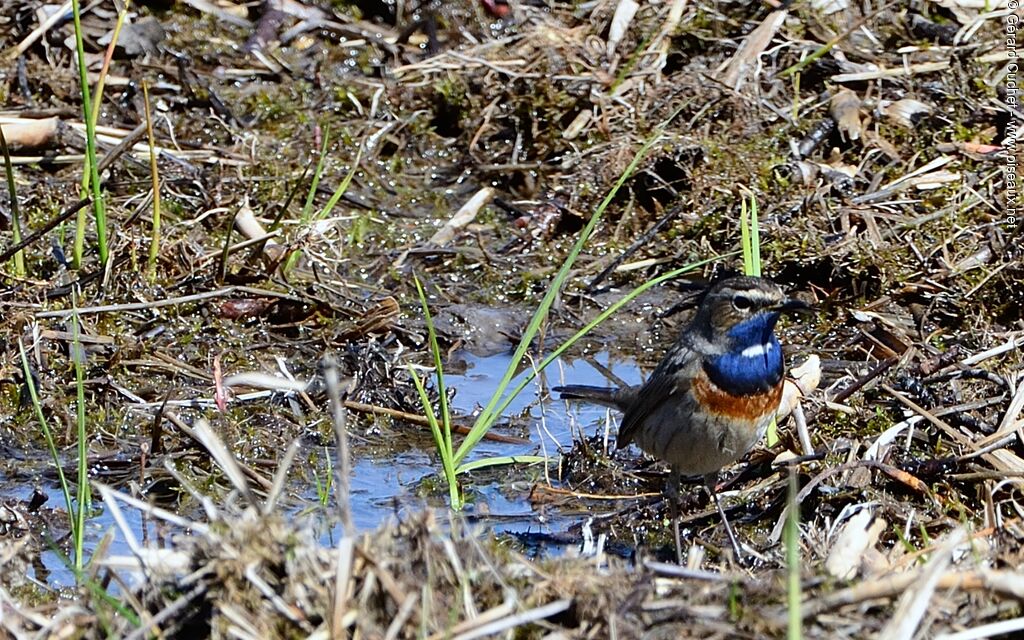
{"x":715,"y":392}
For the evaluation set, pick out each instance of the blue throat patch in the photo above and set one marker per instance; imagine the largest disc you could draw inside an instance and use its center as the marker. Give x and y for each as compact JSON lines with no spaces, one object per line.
{"x":754,"y":364}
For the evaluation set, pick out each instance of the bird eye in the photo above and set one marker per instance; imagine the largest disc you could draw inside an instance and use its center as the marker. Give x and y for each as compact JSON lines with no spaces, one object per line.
{"x":742,"y":303}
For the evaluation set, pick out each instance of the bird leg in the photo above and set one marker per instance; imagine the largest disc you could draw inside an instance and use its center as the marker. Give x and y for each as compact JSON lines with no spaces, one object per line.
{"x":672,"y":495}
{"x":709,"y":482}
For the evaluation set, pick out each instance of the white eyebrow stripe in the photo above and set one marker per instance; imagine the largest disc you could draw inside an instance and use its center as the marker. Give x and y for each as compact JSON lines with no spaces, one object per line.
{"x":757,"y":351}
{"x":760,"y":296}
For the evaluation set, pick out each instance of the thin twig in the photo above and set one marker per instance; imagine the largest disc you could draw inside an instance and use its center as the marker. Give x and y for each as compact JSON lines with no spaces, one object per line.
{"x":49,"y":226}
{"x":340,"y":419}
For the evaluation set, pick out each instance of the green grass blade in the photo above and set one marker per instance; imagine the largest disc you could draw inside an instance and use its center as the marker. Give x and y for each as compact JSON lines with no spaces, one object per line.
{"x":307,"y":207}
{"x":99,"y":208}
{"x":323,"y":487}
{"x":748,"y":260}
{"x":435,"y":352}
{"x":755,"y":239}
{"x":483,"y":463}
{"x":225,"y":249}
{"x":443,"y":430}
{"x":19,"y":257}
{"x":115,"y":35}
{"x":750,"y":237}
{"x":447,"y":464}
{"x":84,"y":498}
{"x":93,"y":586}
{"x":47,"y":434}
{"x":154,"y":173}
{"x":342,"y":188}
{"x":428,"y":411}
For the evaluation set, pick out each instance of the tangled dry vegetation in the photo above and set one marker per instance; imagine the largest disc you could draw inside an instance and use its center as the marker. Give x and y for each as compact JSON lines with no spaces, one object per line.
{"x":875,"y":136}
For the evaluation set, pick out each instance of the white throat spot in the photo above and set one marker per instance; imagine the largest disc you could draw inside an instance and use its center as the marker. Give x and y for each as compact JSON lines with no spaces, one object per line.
{"x":757,"y":351}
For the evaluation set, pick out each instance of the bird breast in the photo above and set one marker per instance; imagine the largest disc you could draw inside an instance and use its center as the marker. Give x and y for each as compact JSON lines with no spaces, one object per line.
{"x":709,"y":429}
{"x":743,"y":408}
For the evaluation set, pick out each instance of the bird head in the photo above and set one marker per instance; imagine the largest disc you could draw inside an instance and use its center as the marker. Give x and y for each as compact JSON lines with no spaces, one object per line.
{"x":742,"y":311}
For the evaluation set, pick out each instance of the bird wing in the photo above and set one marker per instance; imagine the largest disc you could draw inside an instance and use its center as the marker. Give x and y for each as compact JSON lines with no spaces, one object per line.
{"x":671,"y":378}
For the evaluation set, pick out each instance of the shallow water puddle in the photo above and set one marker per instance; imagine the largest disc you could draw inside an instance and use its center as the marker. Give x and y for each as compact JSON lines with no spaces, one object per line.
{"x":383,"y":489}
{"x":497,"y":498}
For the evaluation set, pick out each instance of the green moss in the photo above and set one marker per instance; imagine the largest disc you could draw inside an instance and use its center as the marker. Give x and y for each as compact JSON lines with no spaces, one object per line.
{"x":878,"y":423}
{"x":432,"y":484}
{"x":453,"y":90}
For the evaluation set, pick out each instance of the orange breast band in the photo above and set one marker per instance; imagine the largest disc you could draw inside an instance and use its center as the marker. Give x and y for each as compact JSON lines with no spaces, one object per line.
{"x":751,"y":407}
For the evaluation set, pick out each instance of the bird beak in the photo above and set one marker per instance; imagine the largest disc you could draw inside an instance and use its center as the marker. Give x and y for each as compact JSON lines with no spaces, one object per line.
{"x":792,"y":304}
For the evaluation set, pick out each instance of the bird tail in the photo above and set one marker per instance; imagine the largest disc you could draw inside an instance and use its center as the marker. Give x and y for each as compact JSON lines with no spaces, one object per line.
{"x":608,"y":396}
